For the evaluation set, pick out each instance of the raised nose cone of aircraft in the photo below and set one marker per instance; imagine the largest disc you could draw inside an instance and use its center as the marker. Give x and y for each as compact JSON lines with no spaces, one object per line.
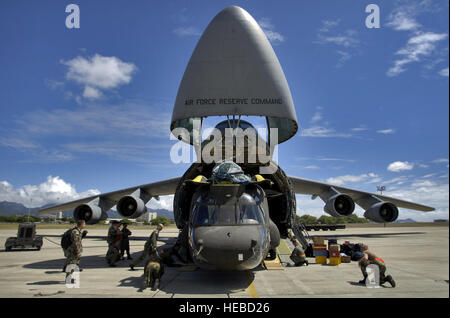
{"x":234,"y":71}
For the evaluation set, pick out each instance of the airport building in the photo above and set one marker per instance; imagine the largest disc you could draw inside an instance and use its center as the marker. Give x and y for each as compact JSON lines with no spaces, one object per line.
{"x":148,"y":216}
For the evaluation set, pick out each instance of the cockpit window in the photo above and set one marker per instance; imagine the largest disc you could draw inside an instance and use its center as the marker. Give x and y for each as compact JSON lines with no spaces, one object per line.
{"x":250,"y":214}
{"x":246,"y":210}
{"x":227,"y":214}
{"x":205,"y":215}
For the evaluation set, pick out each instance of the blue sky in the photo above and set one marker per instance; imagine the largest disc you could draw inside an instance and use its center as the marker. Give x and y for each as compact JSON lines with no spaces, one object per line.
{"x":87,"y":110}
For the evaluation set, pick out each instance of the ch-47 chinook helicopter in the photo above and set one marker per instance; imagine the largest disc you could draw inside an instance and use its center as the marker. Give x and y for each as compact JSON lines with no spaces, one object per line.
{"x":229,"y":224}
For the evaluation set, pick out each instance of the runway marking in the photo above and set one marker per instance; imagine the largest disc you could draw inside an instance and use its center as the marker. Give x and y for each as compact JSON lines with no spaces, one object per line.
{"x":251,"y":287}
{"x":303,"y":287}
{"x":267,"y":287}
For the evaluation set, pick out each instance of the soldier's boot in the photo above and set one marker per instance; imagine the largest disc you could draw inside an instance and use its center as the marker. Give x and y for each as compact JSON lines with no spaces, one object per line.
{"x":132,"y":267}
{"x":390,"y":280}
{"x":146,"y":283}
{"x":156,"y":284}
{"x":363,"y":281}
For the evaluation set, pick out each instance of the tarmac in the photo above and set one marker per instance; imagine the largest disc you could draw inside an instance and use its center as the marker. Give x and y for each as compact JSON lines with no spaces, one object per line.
{"x":417,"y":258}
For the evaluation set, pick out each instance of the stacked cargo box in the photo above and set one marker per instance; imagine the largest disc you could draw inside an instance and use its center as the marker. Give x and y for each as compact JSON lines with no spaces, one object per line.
{"x":320,"y":250}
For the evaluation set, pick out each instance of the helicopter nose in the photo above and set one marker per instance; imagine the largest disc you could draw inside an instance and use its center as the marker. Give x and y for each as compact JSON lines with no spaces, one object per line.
{"x":228,"y":247}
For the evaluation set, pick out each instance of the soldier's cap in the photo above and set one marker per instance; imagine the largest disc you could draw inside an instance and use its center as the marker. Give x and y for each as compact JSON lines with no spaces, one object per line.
{"x":115,"y":222}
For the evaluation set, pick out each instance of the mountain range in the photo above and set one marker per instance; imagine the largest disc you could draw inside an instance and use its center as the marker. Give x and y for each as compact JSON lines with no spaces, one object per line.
{"x":13,"y":208}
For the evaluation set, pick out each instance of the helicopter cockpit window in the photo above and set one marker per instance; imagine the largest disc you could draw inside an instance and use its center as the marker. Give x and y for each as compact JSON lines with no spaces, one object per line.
{"x":249,"y":212}
{"x":205,"y":215}
{"x":246,"y":210}
{"x":227,"y":214}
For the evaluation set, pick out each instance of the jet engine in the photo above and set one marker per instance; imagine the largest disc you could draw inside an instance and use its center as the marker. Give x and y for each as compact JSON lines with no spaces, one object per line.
{"x":131,"y":206}
{"x":340,"y":205}
{"x":336,"y":203}
{"x":382,"y":212}
{"x":90,"y":212}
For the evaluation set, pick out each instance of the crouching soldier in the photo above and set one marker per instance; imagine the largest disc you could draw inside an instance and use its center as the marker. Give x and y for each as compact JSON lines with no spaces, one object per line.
{"x":370,"y":258}
{"x":113,"y":239}
{"x":153,"y":271}
{"x":298,"y":254}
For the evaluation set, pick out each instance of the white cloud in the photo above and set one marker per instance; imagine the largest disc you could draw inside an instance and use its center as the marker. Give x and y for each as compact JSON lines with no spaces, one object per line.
{"x":328,"y":25}
{"x":54,"y":190}
{"x":386,"y":131}
{"x":317,"y":116}
{"x":18,"y":142}
{"x":427,"y":192}
{"x":92,"y":120}
{"x":398,"y":166}
{"x":328,"y":34}
{"x":440,"y":160}
{"x":402,"y":21}
{"x":165,"y":202}
{"x":319,"y":131}
{"x":106,"y":127}
{"x":352,"y":178}
{"x":99,"y":72}
{"x":346,"y":39}
{"x":444,"y":72}
{"x":187,"y":31}
{"x":313,"y":167}
{"x":91,"y":93}
{"x":269,"y":30}
{"x":359,"y":129}
{"x":124,"y":151}
{"x":345,"y":56}
{"x":419,"y":46}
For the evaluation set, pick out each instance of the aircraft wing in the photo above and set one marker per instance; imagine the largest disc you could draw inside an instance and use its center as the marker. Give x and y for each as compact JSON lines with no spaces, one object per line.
{"x":164,"y":187}
{"x":305,"y":186}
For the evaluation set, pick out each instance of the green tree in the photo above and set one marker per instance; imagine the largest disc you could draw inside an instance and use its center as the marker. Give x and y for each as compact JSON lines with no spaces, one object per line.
{"x":126,"y":221}
{"x":306,"y":219}
{"x":160,"y":219}
{"x":325,"y":219}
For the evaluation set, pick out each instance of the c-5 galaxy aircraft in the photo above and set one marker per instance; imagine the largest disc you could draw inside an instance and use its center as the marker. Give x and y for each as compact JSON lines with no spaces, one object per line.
{"x":234,"y":71}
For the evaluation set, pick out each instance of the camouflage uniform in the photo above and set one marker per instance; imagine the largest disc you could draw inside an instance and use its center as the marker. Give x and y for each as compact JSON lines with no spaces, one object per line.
{"x":148,"y":247}
{"x":113,"y":239}
{"x":298,"y":255}
{"x":153,"y":271}
{"x":73,"y":252}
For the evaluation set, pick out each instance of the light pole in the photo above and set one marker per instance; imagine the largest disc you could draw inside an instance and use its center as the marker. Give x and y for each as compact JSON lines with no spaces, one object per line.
{"x":381,"y":189}
{"x":29,"y":208}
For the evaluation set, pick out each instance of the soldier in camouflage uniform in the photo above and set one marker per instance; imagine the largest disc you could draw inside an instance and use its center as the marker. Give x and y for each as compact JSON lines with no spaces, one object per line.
{"x":153,"y":271}
{"x":148,"y":247}
{"x":298,"y":254}
{"x":370,"y":258}
{"x":113,"y":239}
{"x":73,"y":252}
